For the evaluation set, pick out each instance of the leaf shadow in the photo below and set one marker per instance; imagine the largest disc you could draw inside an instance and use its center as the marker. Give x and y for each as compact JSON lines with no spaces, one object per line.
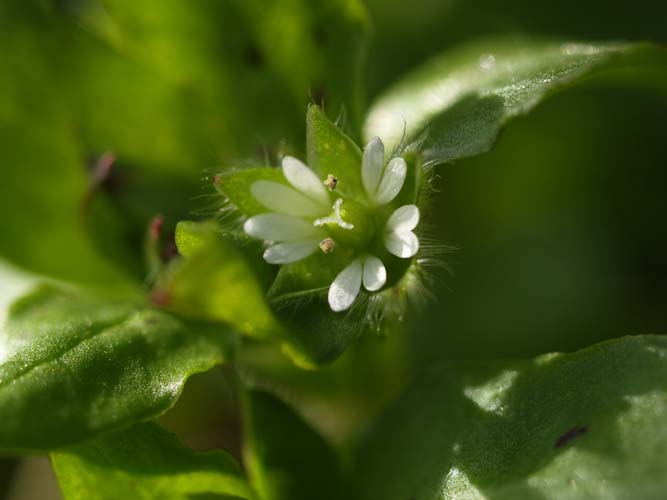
{"x":462,"y":428}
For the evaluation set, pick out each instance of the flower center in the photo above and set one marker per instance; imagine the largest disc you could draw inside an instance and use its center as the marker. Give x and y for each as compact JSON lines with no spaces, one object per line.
{"x":349,"y":224}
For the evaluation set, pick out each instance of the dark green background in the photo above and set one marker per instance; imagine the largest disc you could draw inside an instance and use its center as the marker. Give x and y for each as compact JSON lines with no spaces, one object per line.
{"x":559,"y":232}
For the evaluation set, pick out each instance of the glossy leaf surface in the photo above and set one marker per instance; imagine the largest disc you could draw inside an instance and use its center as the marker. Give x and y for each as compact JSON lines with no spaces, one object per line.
{"x":146,"y":462}
{"x":567,"y":426}
{"x":460,"y":100}
{"x":73,"y":366}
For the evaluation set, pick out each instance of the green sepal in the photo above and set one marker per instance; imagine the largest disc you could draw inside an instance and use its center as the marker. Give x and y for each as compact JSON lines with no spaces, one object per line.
{"x":217,"y":281}
{"x":331,"y":151}
{"x":236,"y":185}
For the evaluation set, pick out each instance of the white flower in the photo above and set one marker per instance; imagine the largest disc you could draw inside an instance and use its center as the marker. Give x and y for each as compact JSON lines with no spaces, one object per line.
{"x":382,"y":185}
{"x":398,"y":236}
{"x":369,"y":270}
{"x":288,"y":227}
{"x":345,"y":288}
{"x":301,"y":214}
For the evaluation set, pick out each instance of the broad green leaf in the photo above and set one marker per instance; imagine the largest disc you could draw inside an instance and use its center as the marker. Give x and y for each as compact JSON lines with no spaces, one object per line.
{"x":460,"y":100}
{"x":146,"y":462}
{"x":285,"y":458}
{"x":217,"y":282}
{"x":73,"y":366}
{"x":568,"y":426}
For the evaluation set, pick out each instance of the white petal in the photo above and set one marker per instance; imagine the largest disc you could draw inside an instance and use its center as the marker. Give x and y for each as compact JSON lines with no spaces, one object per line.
{"x":284,"y":253}
{"x":286,"y":200}
{"x":402,"y":244}
{"x":371,"y":166}
{"x":345,"y":287}
{"x":305,"y":180}
{"x":404,"y":218}
{"x":278,"y":227}
{"x":392,"y":181}
{"x":374,"y":274}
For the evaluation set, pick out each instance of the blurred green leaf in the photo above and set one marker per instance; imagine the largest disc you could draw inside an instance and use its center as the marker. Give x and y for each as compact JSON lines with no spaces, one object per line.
{"x":165,"y":86}
{"x":146,"y":462}
{"x":43,"y":178}
{"x":193,"y":237}
{"x":568,"y":426}
{"x":216,"y":281}
{"x":285,"y":458}
{"x":460,"y":100}
{"x":318,"y":46}
{"x":228,"y":58}
{"x":73,"y":366}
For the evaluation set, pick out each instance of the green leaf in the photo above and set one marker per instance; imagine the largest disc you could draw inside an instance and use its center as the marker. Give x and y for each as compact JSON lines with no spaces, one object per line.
{"x":217,"y":282}
{"x":73,"y":366}
{"x":285,"y":458}
{"x":146,"y":462}
{"x":568,"y":426}
{"x":462,"y":99}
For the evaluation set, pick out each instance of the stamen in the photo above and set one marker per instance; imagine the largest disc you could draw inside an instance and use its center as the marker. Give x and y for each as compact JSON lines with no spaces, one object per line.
{"x":336,"y":219}
{"x":327,"y":245}
{"x":331,"y":182}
